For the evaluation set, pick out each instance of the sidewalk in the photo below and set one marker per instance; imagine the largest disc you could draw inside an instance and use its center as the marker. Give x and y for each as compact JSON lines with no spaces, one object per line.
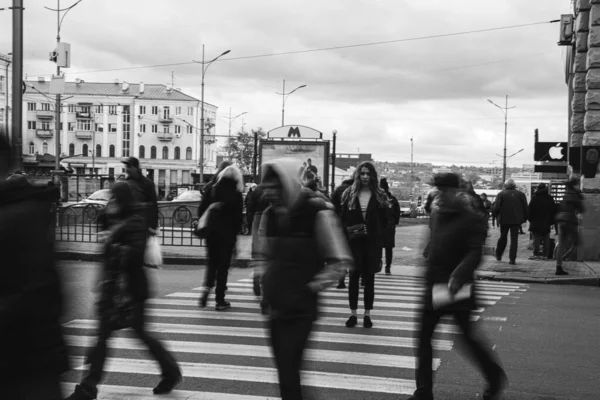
{"x":407,"y":260}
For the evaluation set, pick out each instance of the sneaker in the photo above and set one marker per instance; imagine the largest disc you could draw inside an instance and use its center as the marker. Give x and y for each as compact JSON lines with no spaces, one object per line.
{"x":222,"y":305}
{"x":167,"y":384}
{"x":367,"y":323}
{"x":203,"y":298}
{"x":499,"y":258}
{"x":351,"y":323}
{"x":560,"y":271}
{"x":512,"y":262}
{"x":81,"y":394}
{"x":495,"y":389}
{"x":534,"y":257}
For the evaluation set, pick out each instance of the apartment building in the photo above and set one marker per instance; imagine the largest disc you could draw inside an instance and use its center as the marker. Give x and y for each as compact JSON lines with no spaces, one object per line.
{"x":103,"y":123}
{"x":5,"y":83}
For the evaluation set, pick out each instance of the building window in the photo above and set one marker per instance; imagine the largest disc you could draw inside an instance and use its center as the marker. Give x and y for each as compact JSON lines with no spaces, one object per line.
{"x":190,"y":111}
{"x":45,"y":125}
{"x":112,"y":128}
{"x":31,"y":106}
{"x":161,"y":177}
{"x":99,"y":128}
{"x":143,"y":128}
{"x":71,"y":149}
{"x":31,"y":148}
{"x":153,"y":152}
{"x":111,"y":171}
{"x":84,"y":150}
{"x":112,"y":110}
{"x":154,"y":128}
{"x":84,"y":125}
{"x":154,"y":110}
{"x":126,"y":131}
{"x":142,"y":152}
{"x":98,"y":150}
{"x":45,"y":106}
{"x":31,"y":125}
{"x":166,"y":112}
{"x":142,"y":110}
{"x":166,"y":128}
{"x":111,"y":150}
{"x":177,"y":153}
{"x":165,"y":152}
{"x":177,"y":110}
{"x":99,"y":109}
{"x":2,"y":84}
{"x":185,"y":178}
{"x":61,"y":126}
{"x":189,"y":129}
{"x":188,"y":153}
{"x":85,"y":109}
{"x":71,"y":108}
{"x":45,"y":148}
{"x":178,"y":129}
{"x":71,"y":126}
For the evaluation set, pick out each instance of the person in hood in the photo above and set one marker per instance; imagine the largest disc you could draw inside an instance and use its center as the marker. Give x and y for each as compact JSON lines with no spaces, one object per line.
{"x":542,"y":210}
{"x":511,"y":210}
{"x":365,"y":209}
{"x":304,"y":251}
{"x":227,"y":191}
{"x":389,"y":241}
{"x":567,"y":220}
{"x":336,"y":199}
{"x":455,"y":248}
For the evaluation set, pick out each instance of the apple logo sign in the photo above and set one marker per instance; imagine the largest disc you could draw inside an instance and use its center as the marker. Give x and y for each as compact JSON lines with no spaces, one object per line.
{"x":556,"y":152}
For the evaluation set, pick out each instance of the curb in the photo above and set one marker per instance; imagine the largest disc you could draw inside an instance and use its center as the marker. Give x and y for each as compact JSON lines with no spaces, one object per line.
{"x":549,"y":281}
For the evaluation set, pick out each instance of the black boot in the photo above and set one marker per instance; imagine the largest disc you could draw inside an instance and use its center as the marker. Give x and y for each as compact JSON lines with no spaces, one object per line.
{"x":560,"y":271}
{"x":167,"y":383}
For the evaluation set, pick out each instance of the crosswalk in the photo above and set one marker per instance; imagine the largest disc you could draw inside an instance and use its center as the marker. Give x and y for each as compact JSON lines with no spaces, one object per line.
{"x":226,"y":355}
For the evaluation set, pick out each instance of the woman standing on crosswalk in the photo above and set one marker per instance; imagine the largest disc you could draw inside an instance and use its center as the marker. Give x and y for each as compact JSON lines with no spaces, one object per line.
{"x":365,"y":215}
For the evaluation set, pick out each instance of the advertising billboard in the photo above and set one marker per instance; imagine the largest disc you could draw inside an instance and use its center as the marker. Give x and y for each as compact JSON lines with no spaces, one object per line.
{"x":312,"y":157}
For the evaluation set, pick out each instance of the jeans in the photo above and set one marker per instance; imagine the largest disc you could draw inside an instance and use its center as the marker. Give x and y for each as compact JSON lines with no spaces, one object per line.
{"x":369,"y":288}
{"x":514,"y":237}
{"x":97,"y":355}
{"x":288,"y":340}
{"x":389,"y":252}
{"x":541,"y":238}
{"x":567,"y":241}
{"x":219,"y":259}
{"x":477,"y":349}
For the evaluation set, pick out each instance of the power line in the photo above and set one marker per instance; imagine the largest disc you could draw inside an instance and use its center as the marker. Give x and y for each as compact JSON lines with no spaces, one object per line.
{"x":350,"y":46}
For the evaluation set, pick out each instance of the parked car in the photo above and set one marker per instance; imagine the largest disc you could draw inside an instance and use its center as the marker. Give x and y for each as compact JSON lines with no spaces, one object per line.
{"x":189,"y":195}
{"x":98,"y":197}
{"x":405,"y":207}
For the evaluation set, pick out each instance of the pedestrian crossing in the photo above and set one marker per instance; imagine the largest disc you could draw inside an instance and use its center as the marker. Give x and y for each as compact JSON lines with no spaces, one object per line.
{"x":226,"y":354}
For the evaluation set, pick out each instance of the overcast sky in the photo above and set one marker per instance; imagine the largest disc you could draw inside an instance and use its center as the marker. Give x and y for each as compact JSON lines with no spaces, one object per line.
{"x":377,"y":96}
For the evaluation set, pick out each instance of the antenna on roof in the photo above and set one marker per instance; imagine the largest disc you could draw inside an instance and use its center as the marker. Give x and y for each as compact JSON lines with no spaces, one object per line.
{"x":172,"y":79}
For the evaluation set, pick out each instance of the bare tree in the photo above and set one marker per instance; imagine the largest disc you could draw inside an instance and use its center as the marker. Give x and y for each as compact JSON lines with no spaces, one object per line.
{"x":241,"y":148}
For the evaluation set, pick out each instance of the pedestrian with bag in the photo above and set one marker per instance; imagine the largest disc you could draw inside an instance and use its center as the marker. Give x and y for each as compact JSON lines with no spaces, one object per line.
{"x":569,"y":210}
{"x":123,"y":293}
{"x":455,"y":251}
{"x":389,"y":240}
{"x":365,"y":215}
{"x":542,"y":211}
{"x":304,"y":251}
{"x":512,"y":211}
{"x":224,"y":209}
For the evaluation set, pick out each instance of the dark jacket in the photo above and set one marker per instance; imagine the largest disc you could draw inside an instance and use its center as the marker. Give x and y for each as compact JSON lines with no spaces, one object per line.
{"x":376,"y":221}
{"x":542,"y":211}
{"x":231,"y":214}
{"x":457,"y":237}
{"x":389,"y":239}
{"x":31,"y":297}
{"x":570,"y":206}
{"x":336,"y":197}
{"x":511,"y":207}
{"x":144,"y":192}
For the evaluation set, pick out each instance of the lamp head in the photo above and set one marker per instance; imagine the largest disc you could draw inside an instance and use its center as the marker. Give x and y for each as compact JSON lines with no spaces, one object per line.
{"x":225,"y":52}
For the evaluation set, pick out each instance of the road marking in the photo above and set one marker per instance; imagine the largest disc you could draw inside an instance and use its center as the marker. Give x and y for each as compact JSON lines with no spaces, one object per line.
{"x":373,"y":384}
{"x":265,"y":351}
{"x":237,"y":331}
{"x":495,"y":319}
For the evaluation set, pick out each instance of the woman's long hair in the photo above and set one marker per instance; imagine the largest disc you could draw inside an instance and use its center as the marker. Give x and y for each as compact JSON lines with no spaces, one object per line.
{"x":351,"y":194}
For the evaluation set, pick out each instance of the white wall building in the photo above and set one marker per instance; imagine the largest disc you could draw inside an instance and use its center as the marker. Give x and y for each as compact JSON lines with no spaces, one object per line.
{"x":103,"y":123}
{"x":5,"y":98}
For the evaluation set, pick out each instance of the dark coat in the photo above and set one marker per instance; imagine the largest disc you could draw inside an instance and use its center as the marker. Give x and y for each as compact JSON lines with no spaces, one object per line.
{"x":336,"y":196}
{"x":542,"y":211}
{"x":570,"y":206}
{"x":231,"y":214}
{"x":511,"y":207}
{"x":376,"y":221}
{"x":389,"y":239}
{"x":144,"y":192}
{"x":31,"y":296}
{"x":457,"y":237}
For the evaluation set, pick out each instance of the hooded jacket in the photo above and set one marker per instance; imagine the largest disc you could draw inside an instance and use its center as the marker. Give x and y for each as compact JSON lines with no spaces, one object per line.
{"x":570,"y":206}
{"x":302,"y":244}
{"x":542,"y":211}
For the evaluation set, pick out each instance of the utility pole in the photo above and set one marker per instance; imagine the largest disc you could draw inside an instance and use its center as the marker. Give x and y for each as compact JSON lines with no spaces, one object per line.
{"x":505,"y":111}
{"x":57,"y":107}
{"x":283,"y":104}
{"x":17,"y":82}
{"x":412,"y":183}
{"x":333,"y":157}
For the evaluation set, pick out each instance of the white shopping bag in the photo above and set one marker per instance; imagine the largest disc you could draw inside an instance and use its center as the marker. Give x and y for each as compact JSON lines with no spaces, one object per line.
{"x":441,"y":296}
{"x":152,"y":254}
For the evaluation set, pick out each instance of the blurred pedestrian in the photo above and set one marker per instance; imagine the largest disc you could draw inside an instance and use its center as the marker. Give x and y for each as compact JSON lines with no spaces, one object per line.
{"x":259,"y":204}
{"x":365,"y":211}
{"x":314,"y":186}
{"x":542,"y":211}
{"x":569,"y":210}
{"x":304,"y":251}
{"x":457,"y":236}
{"x":123,"y":293}
{"x":389,"y":240}
{"x":33,"y":353}
{"x":493,"y":214}
{"x":511,"y":210}
{"x":336,"y":199}
{"x":250,"y":208}
{"x":226,"y":191}
{"x":487,"y":205}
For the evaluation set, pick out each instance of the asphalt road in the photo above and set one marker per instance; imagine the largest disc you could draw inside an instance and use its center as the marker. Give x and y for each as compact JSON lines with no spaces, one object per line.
{"x":547,"y":338}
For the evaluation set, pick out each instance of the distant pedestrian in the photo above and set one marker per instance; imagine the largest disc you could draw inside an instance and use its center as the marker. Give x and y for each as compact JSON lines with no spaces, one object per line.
{"x":304,"y":250}
{"x":389,"y":240}
{"x":457,"y":236}
{"x":336,"y":199}
{"x":365,"y":211}
{"x":493,"y":215}
{"x":542,"y":211}
{"x":144,"y":192}
{"x":511,"y":210}
{"x":226,"y":190}
{"x":487,"y":205}
{"x":314,"y":186}
{"x":250,"y":208}
{"x":569,"y":210}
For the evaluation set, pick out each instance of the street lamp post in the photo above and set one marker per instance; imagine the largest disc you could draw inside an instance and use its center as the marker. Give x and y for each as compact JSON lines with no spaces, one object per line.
{"x":505,"y":111}
{"x":204,"y":68}
{"x":284,"y":96}
{"x":333,"y":157}
{"x":229,"y":140}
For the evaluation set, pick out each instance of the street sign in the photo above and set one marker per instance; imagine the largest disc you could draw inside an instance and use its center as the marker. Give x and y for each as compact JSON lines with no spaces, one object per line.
{"x":294,"y":132}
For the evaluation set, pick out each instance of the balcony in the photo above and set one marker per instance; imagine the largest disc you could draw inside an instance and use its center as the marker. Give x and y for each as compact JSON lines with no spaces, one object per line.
{"x":45,"y":114}
{"x":44,"y":133}
{"x":84,"y":115}
{"x":165,"y":119}
{"x":165,"y":137}
{"x":83,"y":134}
